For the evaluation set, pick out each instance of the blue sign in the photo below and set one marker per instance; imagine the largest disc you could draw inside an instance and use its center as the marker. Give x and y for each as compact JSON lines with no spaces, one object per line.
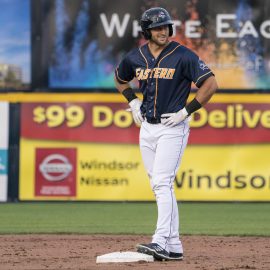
{"x":3,"y":161}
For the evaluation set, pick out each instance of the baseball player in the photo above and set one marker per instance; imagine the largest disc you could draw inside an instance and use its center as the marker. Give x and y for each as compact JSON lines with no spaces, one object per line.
{"x":165,"y":70}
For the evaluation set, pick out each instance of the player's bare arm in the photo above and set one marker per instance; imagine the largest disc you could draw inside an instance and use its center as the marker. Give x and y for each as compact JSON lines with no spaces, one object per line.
{"x":121,"y":87}
{"x":206,"y":91}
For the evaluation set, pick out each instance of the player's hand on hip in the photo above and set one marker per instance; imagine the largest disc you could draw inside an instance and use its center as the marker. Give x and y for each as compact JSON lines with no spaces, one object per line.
{"x":173,"y":119}
{"x":135,"y":106}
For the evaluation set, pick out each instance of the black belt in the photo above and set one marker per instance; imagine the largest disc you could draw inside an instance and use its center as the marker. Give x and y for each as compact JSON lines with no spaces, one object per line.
{"x":153,"y":120}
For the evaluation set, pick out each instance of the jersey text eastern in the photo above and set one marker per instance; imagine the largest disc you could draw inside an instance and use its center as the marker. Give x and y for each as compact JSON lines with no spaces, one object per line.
{"x":157,"y":73}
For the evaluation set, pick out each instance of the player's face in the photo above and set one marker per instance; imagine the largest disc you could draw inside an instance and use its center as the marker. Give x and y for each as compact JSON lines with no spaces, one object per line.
{"x":160,"y":35}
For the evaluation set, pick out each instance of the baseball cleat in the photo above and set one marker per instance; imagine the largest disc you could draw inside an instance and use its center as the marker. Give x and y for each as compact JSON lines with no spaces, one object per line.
{"x":158,"y":252}
{"x":176,"y":256}
{"x":146,"y":248}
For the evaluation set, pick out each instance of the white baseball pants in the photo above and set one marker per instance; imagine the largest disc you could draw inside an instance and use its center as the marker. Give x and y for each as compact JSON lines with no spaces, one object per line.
{"x":162,"y":149}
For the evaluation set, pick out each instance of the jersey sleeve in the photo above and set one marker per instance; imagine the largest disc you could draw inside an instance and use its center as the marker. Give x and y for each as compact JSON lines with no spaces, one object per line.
{"x":195,"y":69}
{"x":124,"y":72}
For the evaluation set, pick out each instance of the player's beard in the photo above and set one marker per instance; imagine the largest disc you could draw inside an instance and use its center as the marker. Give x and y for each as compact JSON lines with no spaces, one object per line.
{"x":161,"y":40}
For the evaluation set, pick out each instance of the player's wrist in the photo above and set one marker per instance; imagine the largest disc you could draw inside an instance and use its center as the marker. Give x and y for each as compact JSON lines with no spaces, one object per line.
{"x":193,"y":106}
{"x":129,"y":94}
{"x":135,"y":103}
{"x":184,"y":112}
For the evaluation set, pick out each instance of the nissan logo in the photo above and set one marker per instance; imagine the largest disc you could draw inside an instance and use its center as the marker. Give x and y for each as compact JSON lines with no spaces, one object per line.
{"x":55,"y":167}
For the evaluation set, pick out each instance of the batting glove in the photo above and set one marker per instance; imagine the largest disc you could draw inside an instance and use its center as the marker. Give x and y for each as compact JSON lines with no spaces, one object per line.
{"x":135,"y":106}
{"x":173,"y":119}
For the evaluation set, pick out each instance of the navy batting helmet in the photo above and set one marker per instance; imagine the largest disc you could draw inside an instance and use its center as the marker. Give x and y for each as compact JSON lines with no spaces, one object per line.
{"x":155,"y":17}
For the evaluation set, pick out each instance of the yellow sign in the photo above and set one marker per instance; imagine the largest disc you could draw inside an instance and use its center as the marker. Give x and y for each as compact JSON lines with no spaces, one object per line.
{"x":115,"y":172}
{"x":225,"y":173}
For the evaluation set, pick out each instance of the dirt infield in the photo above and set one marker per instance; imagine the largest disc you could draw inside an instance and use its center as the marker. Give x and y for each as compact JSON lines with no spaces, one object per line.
{"x":79,"y":252}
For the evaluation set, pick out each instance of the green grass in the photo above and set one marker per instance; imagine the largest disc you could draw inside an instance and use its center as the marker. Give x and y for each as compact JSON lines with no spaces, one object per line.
{"x":133,"y":218}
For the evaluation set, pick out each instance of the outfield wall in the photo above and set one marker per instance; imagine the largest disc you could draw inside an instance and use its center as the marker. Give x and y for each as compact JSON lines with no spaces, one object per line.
{"x":85,"y":147}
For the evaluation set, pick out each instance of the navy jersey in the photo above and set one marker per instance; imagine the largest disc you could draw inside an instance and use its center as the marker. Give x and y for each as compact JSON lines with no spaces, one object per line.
{"x":165,"y":82}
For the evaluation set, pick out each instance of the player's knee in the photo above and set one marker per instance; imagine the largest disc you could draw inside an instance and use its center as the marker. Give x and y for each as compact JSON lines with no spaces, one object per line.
{"x":159,"y":182}
{"x":160,"y":186}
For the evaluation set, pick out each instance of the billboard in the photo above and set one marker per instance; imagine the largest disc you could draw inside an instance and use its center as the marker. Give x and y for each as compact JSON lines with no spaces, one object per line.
{"x":84,"y":40}
{"x":218,"y":123}
{"x":89,"y":151}
{"x":4,"y":133}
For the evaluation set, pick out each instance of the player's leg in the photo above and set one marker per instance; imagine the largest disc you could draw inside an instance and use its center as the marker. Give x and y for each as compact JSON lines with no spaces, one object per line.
{"x":148,"y":148}
{"x":170,"y":148}
{"x":152,"y":138}
{"x":174,"y":242}
{"x":148,"y":143}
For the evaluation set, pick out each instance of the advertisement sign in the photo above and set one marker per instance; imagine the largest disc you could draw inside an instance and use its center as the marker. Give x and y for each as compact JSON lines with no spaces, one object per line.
{"x":232,"y":37}
{"x":115,"y":172}
{"x":89,"y":151}
{"x":4,"y":133}
{"x":217,"y":123}
{"x":224,"y":173}
{"x":55,"y":172}
{"x":104,"y":172}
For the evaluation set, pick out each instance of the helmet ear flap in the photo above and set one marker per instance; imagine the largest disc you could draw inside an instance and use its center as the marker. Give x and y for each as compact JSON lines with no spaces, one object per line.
{"x":170,"y":30}
{"x":147,"y":34}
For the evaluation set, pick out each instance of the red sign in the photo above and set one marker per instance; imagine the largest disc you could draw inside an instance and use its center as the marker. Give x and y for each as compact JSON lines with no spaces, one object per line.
{"x":216,"y":123}
{"x":83,"y":122}
{"x":225,"y":123}
{"x":55,"y":172}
